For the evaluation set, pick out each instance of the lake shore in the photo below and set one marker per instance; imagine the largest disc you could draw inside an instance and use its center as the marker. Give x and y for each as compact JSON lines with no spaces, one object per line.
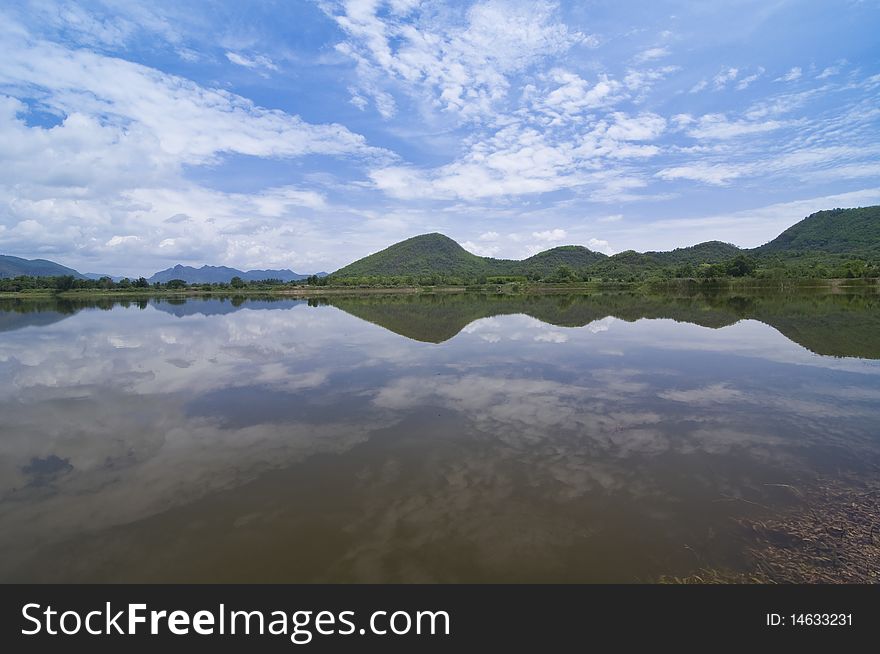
{"x":681,"y":285}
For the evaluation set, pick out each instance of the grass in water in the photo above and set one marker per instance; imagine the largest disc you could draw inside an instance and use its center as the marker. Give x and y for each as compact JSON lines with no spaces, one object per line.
{"x":831,"y":537}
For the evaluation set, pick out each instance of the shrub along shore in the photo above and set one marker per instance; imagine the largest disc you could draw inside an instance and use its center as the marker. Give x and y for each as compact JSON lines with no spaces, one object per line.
{"x":44,"y":288}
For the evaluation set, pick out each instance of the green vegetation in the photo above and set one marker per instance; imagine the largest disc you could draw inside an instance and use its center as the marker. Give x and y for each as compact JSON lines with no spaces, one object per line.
{"x":70,"y":285}
{"x":16,"y":266}
{"x":851,"y":232}
{"x":430,"y":254}
{"x":841,"y":243}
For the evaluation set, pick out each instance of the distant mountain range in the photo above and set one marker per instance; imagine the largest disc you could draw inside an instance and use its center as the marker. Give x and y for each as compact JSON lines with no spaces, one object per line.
{"x":838,"y":233}
{"x":851,"y":232}
{"x":16,"y":266}
{"x":220,"y":274}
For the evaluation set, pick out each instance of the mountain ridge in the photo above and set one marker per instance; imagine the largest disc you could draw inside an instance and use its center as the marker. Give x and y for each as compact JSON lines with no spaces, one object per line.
{"x":834,"y":233}
{"x":222,"y":274}
{"x":11,"y":266}
{"x":854,"y":232}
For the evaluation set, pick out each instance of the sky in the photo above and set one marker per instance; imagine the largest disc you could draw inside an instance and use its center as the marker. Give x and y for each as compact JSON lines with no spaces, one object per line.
{"x":306,"y":134}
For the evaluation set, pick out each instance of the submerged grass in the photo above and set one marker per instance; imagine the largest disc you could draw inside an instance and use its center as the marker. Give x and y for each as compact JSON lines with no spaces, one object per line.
{"x":832,"y":536}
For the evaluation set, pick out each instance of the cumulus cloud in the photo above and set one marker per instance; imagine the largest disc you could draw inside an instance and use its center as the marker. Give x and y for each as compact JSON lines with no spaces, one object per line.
{"x":601,"y":245}
{"x":125,"y":131}
{"x":482,"y":249}
{"x":571,"y":94}
{"x":189,"y":122}
{"x":550,"y":235}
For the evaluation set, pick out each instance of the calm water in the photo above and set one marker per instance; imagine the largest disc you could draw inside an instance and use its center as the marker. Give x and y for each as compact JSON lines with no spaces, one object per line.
{"x":554,"y":438}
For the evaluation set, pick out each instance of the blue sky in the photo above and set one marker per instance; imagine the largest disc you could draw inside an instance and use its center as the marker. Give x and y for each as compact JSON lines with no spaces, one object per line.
{"x":308,"y":134}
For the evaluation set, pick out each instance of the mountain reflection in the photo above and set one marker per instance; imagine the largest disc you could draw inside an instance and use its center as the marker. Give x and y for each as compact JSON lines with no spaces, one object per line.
{"x":841,"y":324}
{"x":844,"y":325}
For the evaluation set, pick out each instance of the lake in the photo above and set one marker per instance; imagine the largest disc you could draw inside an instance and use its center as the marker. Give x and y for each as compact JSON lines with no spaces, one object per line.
{"x":432,"y":438}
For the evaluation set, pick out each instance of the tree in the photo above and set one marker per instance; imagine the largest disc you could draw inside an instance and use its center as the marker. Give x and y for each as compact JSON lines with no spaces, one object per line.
{"x":176,"y":284}
{"x":237,"y":282}
{"x":563,"y":273}
{"x":64,"y":283}
{"x":741,"y":266}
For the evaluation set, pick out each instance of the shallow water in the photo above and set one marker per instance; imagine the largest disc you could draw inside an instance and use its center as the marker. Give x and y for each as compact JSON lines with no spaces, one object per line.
{"x":450,"y":438}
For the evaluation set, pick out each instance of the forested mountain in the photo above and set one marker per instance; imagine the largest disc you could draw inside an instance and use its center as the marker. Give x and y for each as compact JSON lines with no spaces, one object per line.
{"x":854,"y":232}
{"x":839,"y":242}
{"x":16,"y":267}
{"x":420,"y":255}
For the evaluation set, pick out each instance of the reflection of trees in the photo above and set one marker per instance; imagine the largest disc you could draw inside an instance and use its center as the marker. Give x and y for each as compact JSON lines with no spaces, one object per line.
{"x":839,"y":323}
{"x":826,"y":323}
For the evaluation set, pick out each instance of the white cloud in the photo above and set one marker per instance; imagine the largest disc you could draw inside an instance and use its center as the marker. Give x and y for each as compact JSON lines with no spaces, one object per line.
{"x":521,"y":160}
{"x":481,"y":248}
{"x":640,"y":82}
{"x":717,"y":174}
{"x":652,"y":53}
{"x":255,"y":61}
{"x":724,"y":77}
{"x":830,"y":71}
{"x":717,"y":126}
{"x":792,"y":75}
{"x":188,"y":122}
{"x":550,"y":235}
{"x":601,"y":245}
{"x":117,"y":157}
{"x":574,"y":94}
{"x":458,"y":63}
{"x":745,"y":82}
{"x":121,"y":240}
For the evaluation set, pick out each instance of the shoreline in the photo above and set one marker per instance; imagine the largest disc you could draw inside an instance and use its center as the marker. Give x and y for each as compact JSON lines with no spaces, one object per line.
{"x":513,"y":288}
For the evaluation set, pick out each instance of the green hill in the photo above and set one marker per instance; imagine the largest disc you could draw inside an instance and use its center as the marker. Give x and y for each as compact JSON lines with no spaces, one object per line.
{"x":835,"y":243}
{"x":16,"y":267}
{"x":421,"y":255}
{"x":436,"y":254}
{"x":635,"y":264}
{"x":695,"y":255}
{"x":574,"y":256}
{"x":854,"y":232}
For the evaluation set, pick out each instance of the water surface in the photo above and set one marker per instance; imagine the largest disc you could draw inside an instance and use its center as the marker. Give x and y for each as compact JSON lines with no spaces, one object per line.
{"x":449,"y":438}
